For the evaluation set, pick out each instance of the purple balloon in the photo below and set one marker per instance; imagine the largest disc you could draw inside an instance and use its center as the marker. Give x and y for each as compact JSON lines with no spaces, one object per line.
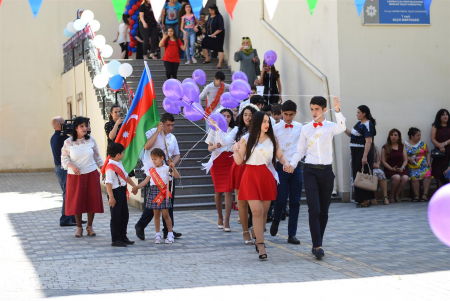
{"x":270,"y":57}
{"x":240,"y":89}
{"x":172,"y":89}
{"x":438,"y":214}
{"x":239,"y":75}
{"x":220,"y":120}
{"x":191,"y":91}
{"x":194,"y":112}
{"x":171,"y":106}
{"x":189,"y":80}
{"x":199,"y":77}
{"x":228,"y":101}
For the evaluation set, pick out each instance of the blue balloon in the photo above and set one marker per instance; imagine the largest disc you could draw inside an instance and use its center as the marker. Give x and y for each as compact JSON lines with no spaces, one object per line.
{"x":67,"y":33}
{"x":134,"y":17}
{"x":128,"y":7}
{"x":116,"y":82}
{"x":135,"y":26}
{"x":133,"y":49}
{"x":113,"y":67}
{"x":132,"y":2}
{"x":133,"y":32}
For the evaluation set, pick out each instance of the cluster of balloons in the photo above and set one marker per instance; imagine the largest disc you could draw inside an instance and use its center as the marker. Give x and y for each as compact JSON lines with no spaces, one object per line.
{"x":133,"y":10}
{"x":113,"y":74}
{"x":86,"y":18}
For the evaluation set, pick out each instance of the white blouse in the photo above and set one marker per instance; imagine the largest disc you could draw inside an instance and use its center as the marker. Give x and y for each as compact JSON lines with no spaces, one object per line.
{"x":212,"y":137}
{"x":162,"y":171}
{"x":123,"y":33}
{"x":82,"y":153}
{"x":228,"y":138}
{"x":262,"y":154}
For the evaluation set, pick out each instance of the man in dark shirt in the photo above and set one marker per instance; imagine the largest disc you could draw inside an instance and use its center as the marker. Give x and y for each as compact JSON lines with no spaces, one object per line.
{"x":57,"y":142}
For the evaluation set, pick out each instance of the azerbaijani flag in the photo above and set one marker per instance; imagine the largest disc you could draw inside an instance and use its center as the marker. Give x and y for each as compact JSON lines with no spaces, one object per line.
{"x":142,"y":116}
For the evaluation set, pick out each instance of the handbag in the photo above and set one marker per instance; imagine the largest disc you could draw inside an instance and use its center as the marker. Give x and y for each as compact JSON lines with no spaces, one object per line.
{"x":436,"y":152}
{"x":366,"y":181}
{"x":256,"y":65}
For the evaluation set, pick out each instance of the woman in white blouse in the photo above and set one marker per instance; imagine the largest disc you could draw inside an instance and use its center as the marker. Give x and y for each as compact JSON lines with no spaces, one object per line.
{"x":220,"y":165}
{"x":259,"y":182}
{"x":80,"y":156}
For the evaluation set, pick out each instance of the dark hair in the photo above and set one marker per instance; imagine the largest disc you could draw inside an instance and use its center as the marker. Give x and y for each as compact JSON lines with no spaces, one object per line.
{"x":126,"y":19}
{"x":267,"y":108}
{"x":114,"y":149}
{"x":110,"y":111}
{"x":78,"y":121}
{"x":365,"y":109}
{"x":219,"y":75}
{"x":202,"y":13}
{"x":412,"y":131}
{"x":158,"y":153}
{"x":388,"y":145}
{"x":273,"y":70}
{"x":255,"y":133}
{"x":276,"y":109}
{"x":437,"y":121}
{"x":232,"y":124}
{"x":289,"y":105}
{"x":215,"y":9}
{"x":174,"y":36}
{"x":183,"y":11}
{"x":319,"y":101}
{"x":256,"y":99}
{"x":167,"y":117}
{"x":242,"y":129}
{"x":252,"y":87}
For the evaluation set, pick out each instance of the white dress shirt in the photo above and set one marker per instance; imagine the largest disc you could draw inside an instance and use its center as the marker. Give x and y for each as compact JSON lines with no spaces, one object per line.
{"x":172,"y":146}
{"x":317,"y":143}
{"x":288,"y":137}
{"x":83,"y":153}
{"x":111,"y":178}
{"x":210,"y":92}
{"x":162,"y":171}
{"x":212,"y":137}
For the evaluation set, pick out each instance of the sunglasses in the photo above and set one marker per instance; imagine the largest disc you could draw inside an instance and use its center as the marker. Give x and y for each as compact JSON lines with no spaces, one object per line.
{"x":245,"y":38}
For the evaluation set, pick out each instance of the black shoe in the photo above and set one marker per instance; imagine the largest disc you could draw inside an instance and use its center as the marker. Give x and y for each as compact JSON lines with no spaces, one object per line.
{"x":283,"y":216}
{"x":139,"y":232}
{"x":84,"y":222}
{"x":269,"y":218}
{"x":118,"y":244}
{"x":318,"y":252}
{"x":274,"y":228}
{"x":68,"y":224}
{"x":177,"y":234}
{"x":127,"y":241}
{"x":293,"y":240}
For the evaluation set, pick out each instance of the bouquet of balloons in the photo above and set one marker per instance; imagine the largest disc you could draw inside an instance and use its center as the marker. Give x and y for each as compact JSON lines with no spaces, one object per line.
{"x":112,"y":74}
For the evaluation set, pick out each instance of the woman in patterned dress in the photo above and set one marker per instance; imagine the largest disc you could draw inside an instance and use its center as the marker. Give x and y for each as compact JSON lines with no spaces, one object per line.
{"x":418,"y":164}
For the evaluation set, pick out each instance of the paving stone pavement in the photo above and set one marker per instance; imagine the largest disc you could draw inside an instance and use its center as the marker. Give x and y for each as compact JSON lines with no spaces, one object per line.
{"x":385,"y":252}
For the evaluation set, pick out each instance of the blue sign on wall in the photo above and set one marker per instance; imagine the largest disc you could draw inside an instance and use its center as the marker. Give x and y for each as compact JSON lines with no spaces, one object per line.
{"x":398,"y":12}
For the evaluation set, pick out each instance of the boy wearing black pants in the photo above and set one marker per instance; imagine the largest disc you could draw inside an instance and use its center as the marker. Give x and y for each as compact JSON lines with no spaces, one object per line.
{"x":316,"y":143}
{"x":116,"y":185}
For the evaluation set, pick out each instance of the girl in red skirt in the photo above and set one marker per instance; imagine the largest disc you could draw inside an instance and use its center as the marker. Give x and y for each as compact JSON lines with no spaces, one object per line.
{"x":237,"y":170}
{"x":80,"y":156}
{"x":220,"y":164}
{"x":259,"y":181}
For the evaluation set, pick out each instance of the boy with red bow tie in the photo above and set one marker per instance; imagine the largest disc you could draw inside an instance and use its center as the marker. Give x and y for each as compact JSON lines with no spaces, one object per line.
{"x":316,"y":143}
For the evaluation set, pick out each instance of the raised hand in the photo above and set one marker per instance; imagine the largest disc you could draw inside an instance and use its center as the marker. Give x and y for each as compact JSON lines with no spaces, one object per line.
{"x":337,"y":104}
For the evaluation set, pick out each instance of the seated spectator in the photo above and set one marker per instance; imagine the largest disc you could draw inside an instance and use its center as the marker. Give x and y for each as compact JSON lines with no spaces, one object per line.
{"x":394,"y":159}
{"x":267,"y":110}
{"x":418,"y":164}
{"x":446,"y":178}
{"x":381,"y":177}
{"x":276,"y":112}
{"x":440,"y":137}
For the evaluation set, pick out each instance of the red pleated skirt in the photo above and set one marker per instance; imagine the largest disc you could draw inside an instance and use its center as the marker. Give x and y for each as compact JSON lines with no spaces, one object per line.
{"x":235,"y":177}
{"x":258,"y":183}
{"x":83,"y":194}
{"x":220,"y":172}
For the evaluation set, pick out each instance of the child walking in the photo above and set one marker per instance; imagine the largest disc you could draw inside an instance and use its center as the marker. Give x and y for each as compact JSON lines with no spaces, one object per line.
{"x":159,"y":177}
{"x":116,"y":185}
{"x":189,"y":28}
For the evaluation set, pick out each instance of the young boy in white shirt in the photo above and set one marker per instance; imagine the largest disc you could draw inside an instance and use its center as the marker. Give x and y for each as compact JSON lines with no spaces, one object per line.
{"x":316,"y":143}
{"x":116,"y":185}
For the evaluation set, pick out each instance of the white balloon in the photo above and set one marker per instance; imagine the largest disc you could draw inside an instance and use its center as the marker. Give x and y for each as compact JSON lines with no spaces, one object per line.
{"x":105,"y":71}
{"x":100,"y":81}
{"x":99,"y":41}
{"x":70,"y":27}
{"x":125,"y":70}
{"x":113,"y":67}
{"x":107,"y":51}
{"x":95,"y":25}
{"x":79,"y":24}
{"x":87,"y":15}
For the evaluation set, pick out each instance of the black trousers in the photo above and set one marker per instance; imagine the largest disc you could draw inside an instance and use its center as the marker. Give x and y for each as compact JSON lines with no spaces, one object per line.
{"x":171,"y":69}
{"x":147,"y":214}
{"x":139,"y":51}
{"x":152,"y":33}
{"x":124,"y":47}
{"x":319,"y":185}
{"x":362,"y":195}
{"x":119,"y":214}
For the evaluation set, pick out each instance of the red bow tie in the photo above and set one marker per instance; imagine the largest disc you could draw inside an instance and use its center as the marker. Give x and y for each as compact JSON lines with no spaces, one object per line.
{"x":317,"y":124}
{"x":288,"y":126}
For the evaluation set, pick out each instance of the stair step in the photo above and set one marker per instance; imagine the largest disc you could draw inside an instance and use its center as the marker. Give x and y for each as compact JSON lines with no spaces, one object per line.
{"x":197,"y":180}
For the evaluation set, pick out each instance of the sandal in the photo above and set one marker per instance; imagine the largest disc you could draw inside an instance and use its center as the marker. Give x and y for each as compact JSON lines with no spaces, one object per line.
{"x":247,"y":242}
{"x":374,"y":202}
{"x":397,"y":199}
{"x":79,"y":235}
{"x":217,"y":67}
{"x":90,"y":232}
{"x":415,"y":199}
{"x":386,"y":200}
{"x":368,"y":204}
{"x":262,"y":256}
{"x":424,"y":200}
{"x":206,"y":62}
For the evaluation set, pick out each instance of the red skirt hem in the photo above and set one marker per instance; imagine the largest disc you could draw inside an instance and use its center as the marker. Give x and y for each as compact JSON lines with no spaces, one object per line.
{"x":220,"y":172}
{"x":235,"y":177}
{"x":83,"y":194}
{"x":258,"y":183}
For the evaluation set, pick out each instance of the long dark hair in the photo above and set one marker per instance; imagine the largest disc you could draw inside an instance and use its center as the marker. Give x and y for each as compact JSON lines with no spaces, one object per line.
{"x":126,"y":19}
{"x":183,"y":12}
{"x":437,"y":121}
{"x":255,"y":133}
{"x":388,"y":145}
{"x":365,"y":109}
{"x":273,"y":70}
{"x":232,"y":124}
{"x":174,"y":36}
{"x":78,"y":121}
{"x":111,"y":110}
{"x":243,"y":129}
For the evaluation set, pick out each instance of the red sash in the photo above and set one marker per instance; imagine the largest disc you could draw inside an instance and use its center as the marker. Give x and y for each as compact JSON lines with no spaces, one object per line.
{"x":214,"y":104}
{"x":161,"y":186}
{"x":118,"y":171}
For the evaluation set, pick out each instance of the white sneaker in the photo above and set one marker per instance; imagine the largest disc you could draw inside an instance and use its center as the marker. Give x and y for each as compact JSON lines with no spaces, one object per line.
{"x":238,"y":220}
{"x":157,"y":238}
{"x":188,"y":63}
{"x":194,"y":60}
{"x":169,"y":240}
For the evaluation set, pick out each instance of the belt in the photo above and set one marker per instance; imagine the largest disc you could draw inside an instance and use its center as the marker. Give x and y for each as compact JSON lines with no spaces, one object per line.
{"x":57,"y":165}
{"x":317,"y":166}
